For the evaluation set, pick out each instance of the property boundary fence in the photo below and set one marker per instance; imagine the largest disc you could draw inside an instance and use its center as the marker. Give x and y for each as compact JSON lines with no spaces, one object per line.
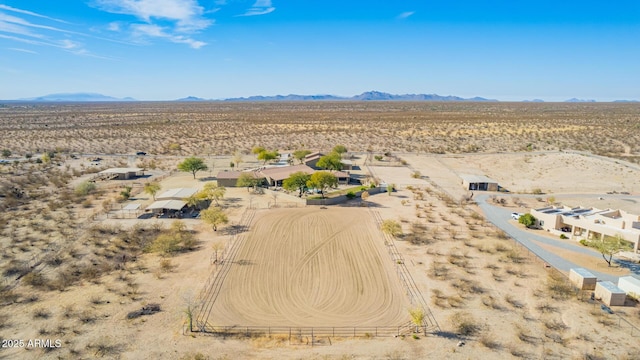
{"x":222,"y":265}
{"x":317,"y":335}
{"x":409,"y":285}
{"x":284,"y":204}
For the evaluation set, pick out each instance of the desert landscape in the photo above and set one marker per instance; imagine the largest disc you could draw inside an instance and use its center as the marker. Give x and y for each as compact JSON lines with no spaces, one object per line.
{"x":103,"y":281}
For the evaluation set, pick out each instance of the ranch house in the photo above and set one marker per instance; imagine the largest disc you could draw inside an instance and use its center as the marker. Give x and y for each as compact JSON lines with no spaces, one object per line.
{"x":590,"y":223}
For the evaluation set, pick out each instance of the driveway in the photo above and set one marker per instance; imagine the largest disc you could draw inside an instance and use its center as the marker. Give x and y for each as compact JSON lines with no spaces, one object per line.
{"x":500,"y":217}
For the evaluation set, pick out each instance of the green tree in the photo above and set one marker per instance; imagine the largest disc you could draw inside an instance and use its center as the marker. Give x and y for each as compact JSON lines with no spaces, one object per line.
{"x":322,"y":180}
{"x":332,"y":161}
{"x":211,"y":191}
{"x":257,"y":150}
{"x":214,"y":216}
{"x":296,"y":181}
{"x":417,"y":317}
{"x":193,"y":165}
{"x":610,"y":246}
{"x":237,"y":158}
{"x":527,"y":220}
{"x":300,"y":155}
{"x":152,"y":188}
{"x":195,"y":201}
{"x":248,"y":180}
{"x":6,"y":153}
{"x":340,"y":149}
{"x":268,"y":156}
{"x":391,"y":227}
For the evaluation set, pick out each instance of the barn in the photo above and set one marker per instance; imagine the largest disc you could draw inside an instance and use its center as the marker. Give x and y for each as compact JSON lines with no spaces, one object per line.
{"x":479,"y":182}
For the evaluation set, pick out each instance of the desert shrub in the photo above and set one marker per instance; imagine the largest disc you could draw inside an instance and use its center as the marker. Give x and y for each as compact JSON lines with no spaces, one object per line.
{"x":104,"y":347}
{"x":35,"y":279}
{"x":351,"y":195}
{"x":438,"y":271}
{"x":41,"y":313}
{"x":558,"y":287}
{"x":489,"y":342}
{"x":468,"y":286}
{"x":87,"y":317}
{"x":491,"y":302}
{"x":513,"y":301}
{"x":166,"y":265}
{"x":85,"y":188}
{"x":391,"y":227}
{"x":166,"y":244}
{"x":196,"y":356}
{"x":525,"y":336}
{"x":465,"y":324}
{"x":8,"y":296}
{"x":527,"y":220}
{"x":514,"y":256}
{"x":555,"y":325}
{"x":125,"y":194}
{"x":4,"y":321}
{"x":546,"y":308}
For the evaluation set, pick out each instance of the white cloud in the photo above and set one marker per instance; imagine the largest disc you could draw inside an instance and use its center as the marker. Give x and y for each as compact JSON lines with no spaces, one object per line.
{"x":260,"y":7}
{"x":12,"y":28}
{"x":178,"y":17}
{"x":406,"y":14}
{"x":142,"y":31}
{"x":4,"y":18}
{"x":187,"y":14}
{"x":114,"y":26}
{"x":9,"y":8}
{"x":23,"y":50}
{"x":20,"y":30}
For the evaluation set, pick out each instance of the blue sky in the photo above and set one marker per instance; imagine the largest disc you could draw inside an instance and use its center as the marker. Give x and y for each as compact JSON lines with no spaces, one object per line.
{"x":168,"y":49}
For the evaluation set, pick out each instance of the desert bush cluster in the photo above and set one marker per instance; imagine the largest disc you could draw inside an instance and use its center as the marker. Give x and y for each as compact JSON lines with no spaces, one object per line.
{"x":460,"y":249}
{"x":224,"y":128}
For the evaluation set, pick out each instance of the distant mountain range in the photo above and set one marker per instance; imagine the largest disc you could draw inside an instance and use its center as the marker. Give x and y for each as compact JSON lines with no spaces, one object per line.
{"x":76,"y":97}
{"x":366,"y":96}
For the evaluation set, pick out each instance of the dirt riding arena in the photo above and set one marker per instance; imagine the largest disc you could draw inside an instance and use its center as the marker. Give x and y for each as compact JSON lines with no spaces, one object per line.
{"x":311,"y":267}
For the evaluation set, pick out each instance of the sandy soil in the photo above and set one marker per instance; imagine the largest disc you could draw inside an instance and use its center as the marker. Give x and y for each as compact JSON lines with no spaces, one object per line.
{"x":552,"y":172}
{"x":312,"y":267}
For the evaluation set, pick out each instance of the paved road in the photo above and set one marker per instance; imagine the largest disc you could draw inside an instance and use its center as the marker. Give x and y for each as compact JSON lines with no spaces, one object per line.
{"x":500,"y":217}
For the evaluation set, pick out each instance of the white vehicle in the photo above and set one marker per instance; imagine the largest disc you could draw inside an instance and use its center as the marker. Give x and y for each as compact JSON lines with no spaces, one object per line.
{"x":516,"y":216}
